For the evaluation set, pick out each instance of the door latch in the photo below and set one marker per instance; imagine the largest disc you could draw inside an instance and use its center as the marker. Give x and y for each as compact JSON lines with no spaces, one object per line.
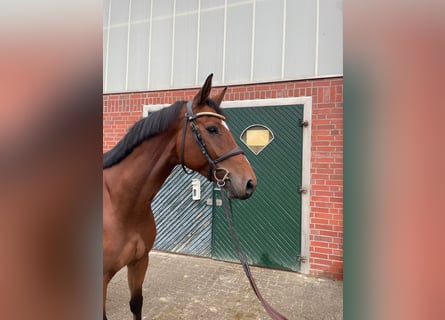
{"x":196,"y":189}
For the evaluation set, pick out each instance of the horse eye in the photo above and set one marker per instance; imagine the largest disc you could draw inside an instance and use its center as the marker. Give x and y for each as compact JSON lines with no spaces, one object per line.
{"x":212,"y":130}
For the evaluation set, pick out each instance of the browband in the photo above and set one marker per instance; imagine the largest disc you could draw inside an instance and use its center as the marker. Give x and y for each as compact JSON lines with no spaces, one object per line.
{"x":192,"y":116}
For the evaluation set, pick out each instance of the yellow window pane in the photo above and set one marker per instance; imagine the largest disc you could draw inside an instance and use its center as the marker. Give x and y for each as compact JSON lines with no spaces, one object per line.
{"x":257,"y":137}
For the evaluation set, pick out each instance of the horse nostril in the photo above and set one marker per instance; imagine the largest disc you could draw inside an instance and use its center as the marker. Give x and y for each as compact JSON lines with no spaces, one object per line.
{"x":250,"y":188}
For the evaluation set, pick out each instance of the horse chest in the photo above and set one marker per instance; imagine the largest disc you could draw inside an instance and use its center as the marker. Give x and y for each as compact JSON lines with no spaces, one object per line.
{"x":138,"y":248}
{"x":126,"y":247}
{"x":133,"y":250}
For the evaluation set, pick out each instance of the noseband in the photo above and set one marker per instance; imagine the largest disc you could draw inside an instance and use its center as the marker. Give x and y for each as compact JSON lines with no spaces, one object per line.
{"x":190,"y":118}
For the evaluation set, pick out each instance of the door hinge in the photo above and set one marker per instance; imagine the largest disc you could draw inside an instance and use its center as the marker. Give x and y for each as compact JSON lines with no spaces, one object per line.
{"x":302,"y":259}
{"x":302,"y":189}
{"x":304,"y":123}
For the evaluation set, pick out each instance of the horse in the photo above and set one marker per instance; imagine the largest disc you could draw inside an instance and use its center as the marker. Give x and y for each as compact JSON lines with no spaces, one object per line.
{"x":188,"y":133}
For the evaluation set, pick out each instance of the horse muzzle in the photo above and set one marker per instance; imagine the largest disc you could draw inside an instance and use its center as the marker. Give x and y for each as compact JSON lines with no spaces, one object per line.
{"x":241,"y":190}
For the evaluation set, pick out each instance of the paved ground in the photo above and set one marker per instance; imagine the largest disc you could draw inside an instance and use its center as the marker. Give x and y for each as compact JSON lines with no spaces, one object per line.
{"x":184,"y":287}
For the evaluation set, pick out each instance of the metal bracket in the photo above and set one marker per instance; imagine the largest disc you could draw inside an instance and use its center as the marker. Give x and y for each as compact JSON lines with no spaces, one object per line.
{"x":304,"y":123}
{"x":302,"y":189}
{"x":302,"y":259}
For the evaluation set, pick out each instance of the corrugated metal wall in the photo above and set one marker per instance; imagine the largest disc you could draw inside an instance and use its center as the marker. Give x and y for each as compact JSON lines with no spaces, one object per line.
{"x":183,"y":225}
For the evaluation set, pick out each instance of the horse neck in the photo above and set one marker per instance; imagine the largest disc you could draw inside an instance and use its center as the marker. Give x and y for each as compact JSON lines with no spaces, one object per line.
{"x":136,"y":180}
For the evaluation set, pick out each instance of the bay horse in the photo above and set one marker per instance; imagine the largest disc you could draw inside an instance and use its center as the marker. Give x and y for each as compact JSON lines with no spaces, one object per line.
{"x":193,"y":134}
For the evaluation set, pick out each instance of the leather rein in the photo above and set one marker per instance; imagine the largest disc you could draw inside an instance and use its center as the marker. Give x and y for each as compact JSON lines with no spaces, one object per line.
{"x":234,"y":238}
{"x":190,"y":117}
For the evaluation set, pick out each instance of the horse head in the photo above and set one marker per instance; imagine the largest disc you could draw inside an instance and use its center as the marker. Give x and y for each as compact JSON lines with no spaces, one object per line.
{"x":206,"y":145}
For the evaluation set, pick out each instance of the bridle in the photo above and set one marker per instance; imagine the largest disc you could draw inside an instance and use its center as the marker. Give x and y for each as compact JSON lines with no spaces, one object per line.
{"x":190,"y":117}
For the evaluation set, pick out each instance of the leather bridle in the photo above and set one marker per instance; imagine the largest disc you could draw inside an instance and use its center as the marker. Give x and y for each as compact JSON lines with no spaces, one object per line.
{"x":190,"y":117}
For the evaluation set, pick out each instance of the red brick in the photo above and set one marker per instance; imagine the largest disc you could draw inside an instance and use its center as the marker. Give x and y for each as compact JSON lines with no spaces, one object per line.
{"x":319,"y":221}
{"x":319,"y":255}
{"x":324,"y":215}
{"x":323,"y":193}
{"x":323,"y":204}
{"x":336,"y":116}
{"x":320,"y":187}
{"x":323,"y":227}
{"x":338,"y":83}
{"x":335,"y":257}
{"x":262,"y":87}
{"x":317,"y":266}
{"x":238,"y":89}
{"x":322,"y":261}
{"x":321,"y":83}
{"x":320,"y":176}
{"x":278,"y":86}
{"x":319,"y":132}
{"x":334,"y":182}
{"x":301,"y":84}
{"x":335,"y":199}
{"x":319,"y":244}
{"x":322,"y":238}
{"x":318,"y":210}
{"x":328,"y":233}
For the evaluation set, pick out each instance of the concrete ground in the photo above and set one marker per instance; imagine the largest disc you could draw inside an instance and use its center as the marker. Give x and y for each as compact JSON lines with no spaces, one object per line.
{"x":184,"y":287}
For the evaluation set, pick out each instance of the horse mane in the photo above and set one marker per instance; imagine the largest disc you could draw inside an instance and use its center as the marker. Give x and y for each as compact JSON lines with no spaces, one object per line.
{"x":155,"y":123}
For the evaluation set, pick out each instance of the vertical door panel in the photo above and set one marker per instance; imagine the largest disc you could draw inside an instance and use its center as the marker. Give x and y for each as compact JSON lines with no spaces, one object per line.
{"x":269,"y":223}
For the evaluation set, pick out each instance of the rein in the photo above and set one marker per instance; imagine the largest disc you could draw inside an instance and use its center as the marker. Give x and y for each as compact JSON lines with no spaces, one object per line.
{"x":190,"y":118}
{"x":275,"y":315}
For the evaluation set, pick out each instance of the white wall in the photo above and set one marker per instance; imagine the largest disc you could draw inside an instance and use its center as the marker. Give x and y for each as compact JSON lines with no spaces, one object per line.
{"x":164,"y":44}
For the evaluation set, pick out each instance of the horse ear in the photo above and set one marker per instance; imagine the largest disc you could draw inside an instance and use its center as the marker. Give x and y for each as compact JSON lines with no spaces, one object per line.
{"x":218,"y":98}
{"x":204,"y":92}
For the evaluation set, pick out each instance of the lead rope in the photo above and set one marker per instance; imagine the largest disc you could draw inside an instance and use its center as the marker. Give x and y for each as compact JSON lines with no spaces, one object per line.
{"x":275,"y":315}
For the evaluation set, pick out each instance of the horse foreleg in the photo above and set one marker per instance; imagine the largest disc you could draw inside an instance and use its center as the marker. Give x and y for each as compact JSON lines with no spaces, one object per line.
{"x":136,"y":275}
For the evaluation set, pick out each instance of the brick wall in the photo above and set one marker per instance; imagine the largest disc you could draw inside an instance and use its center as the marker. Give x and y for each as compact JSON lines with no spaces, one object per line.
{"x":120,"y":111}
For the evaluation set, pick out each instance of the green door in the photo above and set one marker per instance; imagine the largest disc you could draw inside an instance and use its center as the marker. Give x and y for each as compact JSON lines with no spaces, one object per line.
{"x":268,"y":223}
